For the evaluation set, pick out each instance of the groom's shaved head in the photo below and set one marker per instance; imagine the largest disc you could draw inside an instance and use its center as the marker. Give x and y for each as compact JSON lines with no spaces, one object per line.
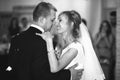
{"x":42,"y":9}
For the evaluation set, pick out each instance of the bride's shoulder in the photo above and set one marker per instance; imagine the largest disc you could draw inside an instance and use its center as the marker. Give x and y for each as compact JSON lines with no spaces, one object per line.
{"x":75,"y":44}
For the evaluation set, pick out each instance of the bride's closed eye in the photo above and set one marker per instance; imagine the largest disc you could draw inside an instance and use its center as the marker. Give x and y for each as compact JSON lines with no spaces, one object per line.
{"x":60,"y":20}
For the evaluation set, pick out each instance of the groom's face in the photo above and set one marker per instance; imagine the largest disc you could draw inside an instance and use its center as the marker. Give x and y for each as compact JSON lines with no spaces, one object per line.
{"x":50,"y":20}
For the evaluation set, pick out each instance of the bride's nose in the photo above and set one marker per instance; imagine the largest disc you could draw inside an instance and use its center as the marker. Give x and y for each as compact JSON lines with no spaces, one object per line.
{"x":56,"y":23}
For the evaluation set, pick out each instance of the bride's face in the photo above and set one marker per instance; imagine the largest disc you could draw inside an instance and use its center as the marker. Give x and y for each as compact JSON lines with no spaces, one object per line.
{"x":63,"y":24}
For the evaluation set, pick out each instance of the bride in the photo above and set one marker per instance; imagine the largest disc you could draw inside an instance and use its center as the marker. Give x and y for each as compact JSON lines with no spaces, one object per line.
{"x":77,"y":47}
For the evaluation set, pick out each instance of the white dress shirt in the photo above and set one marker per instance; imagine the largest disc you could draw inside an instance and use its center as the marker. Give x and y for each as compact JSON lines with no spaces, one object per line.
{"x":38,"y":27}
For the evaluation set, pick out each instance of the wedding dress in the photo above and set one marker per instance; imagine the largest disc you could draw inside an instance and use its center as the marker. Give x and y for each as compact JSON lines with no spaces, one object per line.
{"x":86,"y":57}
{"x":79,"y":58}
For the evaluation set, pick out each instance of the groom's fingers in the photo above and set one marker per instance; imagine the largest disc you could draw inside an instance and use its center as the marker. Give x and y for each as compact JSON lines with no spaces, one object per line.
{"x":76,"y":73}
{"x":80,"y":71}
{"x":79,"y":75}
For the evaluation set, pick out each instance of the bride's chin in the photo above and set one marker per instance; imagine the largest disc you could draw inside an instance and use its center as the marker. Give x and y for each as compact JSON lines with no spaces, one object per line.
{"x":59,"y":32}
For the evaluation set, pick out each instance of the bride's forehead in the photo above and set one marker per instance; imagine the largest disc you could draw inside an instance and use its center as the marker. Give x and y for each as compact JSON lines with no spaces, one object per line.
{"x":62,"y":16}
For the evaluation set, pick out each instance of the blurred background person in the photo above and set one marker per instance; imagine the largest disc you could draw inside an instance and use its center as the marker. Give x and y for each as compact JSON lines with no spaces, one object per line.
{"x":24,"y":24}
{"x":113,"y":60}
{"x":4,"y":47}
{"x":113,"y":21}
{"x":14,"y":27}
{"x":103,"y":45}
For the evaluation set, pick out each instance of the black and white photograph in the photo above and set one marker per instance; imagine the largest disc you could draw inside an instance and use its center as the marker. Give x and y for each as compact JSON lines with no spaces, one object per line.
{"x":59,"y":40}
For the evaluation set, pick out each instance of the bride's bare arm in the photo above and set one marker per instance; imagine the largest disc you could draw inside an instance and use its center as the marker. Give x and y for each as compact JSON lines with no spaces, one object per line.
{"x":63,"y":61}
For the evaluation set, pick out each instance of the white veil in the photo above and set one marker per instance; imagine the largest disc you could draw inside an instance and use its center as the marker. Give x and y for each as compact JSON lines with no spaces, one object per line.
{"x":92,"y":67}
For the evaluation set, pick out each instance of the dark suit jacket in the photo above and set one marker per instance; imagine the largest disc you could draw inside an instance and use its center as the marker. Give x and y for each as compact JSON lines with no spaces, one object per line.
{"x":29,"y":60}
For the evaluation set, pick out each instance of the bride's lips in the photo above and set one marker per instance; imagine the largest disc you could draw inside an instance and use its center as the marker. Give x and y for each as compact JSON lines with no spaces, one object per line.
{"x":58,"y":28}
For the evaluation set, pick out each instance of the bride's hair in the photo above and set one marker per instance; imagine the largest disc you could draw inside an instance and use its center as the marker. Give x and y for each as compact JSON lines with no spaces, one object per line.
{"x":74,"y":16}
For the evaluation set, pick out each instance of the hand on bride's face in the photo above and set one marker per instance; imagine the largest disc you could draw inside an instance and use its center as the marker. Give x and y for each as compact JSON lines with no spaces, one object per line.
{"x":47,"y":36}
{"x":54,"y":28}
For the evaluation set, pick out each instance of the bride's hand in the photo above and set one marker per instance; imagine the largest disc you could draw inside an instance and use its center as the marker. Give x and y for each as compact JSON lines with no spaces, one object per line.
{"x":46,"y":36}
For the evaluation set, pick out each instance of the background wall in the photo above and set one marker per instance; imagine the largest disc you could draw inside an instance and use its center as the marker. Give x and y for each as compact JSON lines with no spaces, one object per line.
{"x":118,"y":42}
{"x":6,"y":5}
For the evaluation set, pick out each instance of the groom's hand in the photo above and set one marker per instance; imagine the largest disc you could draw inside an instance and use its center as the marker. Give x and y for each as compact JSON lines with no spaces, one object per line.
{"x":76,"y":74}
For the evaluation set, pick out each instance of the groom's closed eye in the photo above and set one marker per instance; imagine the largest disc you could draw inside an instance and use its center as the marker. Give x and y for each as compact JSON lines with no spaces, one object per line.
{"x":52,"y":20}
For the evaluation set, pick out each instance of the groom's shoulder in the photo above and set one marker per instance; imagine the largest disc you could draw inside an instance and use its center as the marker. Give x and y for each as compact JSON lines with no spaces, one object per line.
{"x":18,"y":37}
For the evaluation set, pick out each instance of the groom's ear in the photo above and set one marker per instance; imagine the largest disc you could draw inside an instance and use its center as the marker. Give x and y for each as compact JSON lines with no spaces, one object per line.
{"x":42,"y":20}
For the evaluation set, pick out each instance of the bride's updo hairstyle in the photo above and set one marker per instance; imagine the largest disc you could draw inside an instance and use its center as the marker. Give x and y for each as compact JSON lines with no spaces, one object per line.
{"x":74,"y":16}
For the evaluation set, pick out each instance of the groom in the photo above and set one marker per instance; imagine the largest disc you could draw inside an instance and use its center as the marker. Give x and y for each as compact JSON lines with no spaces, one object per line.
{"x":28,"y":52}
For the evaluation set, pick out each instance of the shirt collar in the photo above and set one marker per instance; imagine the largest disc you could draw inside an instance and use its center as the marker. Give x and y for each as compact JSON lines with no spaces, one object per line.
{"x":38,"y":27}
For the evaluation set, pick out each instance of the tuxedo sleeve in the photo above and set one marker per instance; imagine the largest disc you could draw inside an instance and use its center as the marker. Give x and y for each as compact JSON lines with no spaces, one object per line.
{"x":63,"y":75}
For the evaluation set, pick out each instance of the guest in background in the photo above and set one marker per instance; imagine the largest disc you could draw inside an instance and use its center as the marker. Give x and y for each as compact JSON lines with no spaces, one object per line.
{"x":14,"y":27}
{"x":4,"y":47}
{"x":113,"y":22}
{"x":24,"y":24}
{"x":113,"y":60}
{"x":103,"y":45}
{"x":4,"y":44}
